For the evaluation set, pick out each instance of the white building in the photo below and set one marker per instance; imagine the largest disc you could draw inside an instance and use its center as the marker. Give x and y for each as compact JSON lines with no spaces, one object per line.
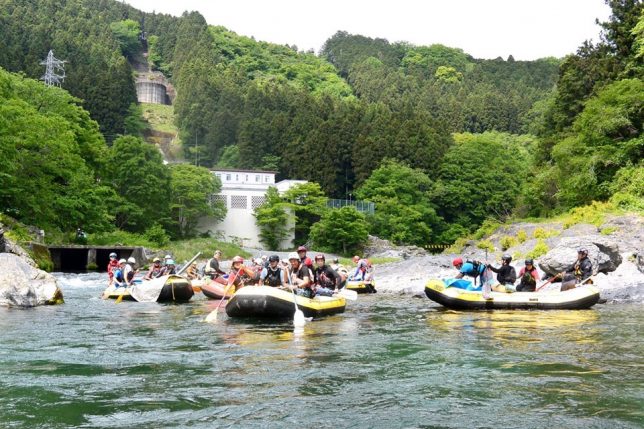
{"x":242,"y":191}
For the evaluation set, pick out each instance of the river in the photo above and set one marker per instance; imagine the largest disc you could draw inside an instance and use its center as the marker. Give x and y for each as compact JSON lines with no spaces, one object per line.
{"x":389,"y":361}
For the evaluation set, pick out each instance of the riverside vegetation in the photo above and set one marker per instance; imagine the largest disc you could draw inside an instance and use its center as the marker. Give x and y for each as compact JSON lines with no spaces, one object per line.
{"x":442,"y":142}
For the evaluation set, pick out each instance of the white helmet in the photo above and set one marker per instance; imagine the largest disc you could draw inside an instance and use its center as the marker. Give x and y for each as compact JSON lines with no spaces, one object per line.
{"x":122,"y":261}
{"x":167,"y":257}
{"x":131,"y":260}
{"x":293,"y":255}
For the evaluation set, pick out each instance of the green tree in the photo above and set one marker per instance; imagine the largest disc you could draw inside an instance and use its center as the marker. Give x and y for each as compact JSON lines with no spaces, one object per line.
{"x":191,"y":198}
{"x":340,"y":230}
{"x":403,"y":211}
{"x":44,"y":139}
{"x":272,"y":219}
{"x":127,"y":33}
{"x":309,"y":203}
{"x":135,"y":170}
{"x":481,"y":177}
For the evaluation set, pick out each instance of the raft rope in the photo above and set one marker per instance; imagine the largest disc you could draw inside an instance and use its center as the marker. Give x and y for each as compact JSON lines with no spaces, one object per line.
{"x":172,"y":284}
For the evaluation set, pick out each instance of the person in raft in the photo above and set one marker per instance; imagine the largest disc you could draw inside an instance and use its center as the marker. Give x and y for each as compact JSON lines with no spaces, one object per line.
{"x":119,"y":274}
{"x":506,"y":275}
{"x":112,"y":266}
{"x":273,"y":275}
{"x":528,"y":277}
{"x":239,"y":273}
{"x":129,"y":271}
{"x":580,"y":271}
{"x":212,"y":266}
{"x":362,"y":265}
{"x":299,"y":277}
{"x":475,"y":269}
{"x":156,"y":270}
{"x":327,"y":280}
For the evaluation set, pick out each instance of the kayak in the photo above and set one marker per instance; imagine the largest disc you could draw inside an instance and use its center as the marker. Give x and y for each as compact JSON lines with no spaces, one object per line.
{"x":216,"y":290}
{"x":453,"y":297}
{"x":273,"y":303}
{"x":362,"y":286}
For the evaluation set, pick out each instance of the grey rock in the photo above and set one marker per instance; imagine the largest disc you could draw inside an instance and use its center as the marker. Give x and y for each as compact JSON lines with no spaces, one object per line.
{"x":22,"y":285}
{"x":640,"y":262}
{"x":603,"y":253}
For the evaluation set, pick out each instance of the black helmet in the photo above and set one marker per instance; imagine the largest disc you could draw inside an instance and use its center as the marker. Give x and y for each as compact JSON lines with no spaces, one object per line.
{"x":274,"y":258}
{"x":529,"y":261}
{"x":506,"y":257}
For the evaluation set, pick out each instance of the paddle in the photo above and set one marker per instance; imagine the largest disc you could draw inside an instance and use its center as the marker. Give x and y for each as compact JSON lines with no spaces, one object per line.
{"x":298,"y":318}
{"x":547,"y":283}
{"x":185,"y":267}
{"x":120,"y":297}
{"x":212,"y":316}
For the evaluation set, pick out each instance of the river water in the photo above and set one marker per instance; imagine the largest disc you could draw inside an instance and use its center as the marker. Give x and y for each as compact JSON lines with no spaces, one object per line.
{"x":388,"y":362}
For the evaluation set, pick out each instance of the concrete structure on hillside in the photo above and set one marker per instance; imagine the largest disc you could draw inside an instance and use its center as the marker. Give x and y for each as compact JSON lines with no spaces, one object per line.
{"x":151,"y":91}
{"x":242,"y":191}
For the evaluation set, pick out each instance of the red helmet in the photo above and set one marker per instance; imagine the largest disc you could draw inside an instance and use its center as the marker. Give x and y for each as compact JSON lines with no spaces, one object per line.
{"x":457,"y":261}
{"x":308,"y":261}
{"x":320,"y":256}
{"x":356,"y":258}
{"x":238,"y":259}
{"x":302,"y":249}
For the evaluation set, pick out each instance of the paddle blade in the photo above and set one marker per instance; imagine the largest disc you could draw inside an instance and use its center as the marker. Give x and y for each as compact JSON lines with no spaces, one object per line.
{"x":120,"y":298}
{"x":351,"y":295}
{"x":212,"y":316}
{"x":298,"y":319}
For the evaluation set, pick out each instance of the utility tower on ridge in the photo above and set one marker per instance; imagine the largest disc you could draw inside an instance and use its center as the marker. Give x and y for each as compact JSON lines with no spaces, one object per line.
{"x":54,"y":71}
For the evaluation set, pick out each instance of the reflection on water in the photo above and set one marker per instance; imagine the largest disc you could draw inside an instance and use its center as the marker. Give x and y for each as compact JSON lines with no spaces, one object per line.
{"x":387,"y":362}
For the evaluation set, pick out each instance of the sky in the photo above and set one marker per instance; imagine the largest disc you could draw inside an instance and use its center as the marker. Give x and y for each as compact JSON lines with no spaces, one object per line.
{"x":525,"y":29}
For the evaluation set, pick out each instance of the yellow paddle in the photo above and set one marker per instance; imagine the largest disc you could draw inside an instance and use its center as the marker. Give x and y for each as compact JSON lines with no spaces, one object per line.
{"x":120,"y":298}
{"x":212,"y":316}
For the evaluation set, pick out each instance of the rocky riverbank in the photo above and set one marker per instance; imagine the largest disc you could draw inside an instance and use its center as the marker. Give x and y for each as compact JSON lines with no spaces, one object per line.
{"x":615,"y":249}
{"x":22,"y":284}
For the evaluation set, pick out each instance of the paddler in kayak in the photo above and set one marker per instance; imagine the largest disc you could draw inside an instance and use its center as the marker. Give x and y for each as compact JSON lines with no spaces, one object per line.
{"x":300,"y":278}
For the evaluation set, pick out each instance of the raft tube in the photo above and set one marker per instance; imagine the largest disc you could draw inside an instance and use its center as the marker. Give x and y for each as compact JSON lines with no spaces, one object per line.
{"x":272,"y":303}
{"x":361,"y":286}
{"x":112,"y":292}
{"x":175,"y":288}
{"x":574,"y":299}
{"x":216,"y":290}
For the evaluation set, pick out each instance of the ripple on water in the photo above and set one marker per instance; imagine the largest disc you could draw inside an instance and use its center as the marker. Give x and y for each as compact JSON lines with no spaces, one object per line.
{"x":387,"y":362}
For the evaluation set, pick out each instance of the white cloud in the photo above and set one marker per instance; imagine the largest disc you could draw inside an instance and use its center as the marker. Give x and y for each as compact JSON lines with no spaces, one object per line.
{"x":527,"y":29}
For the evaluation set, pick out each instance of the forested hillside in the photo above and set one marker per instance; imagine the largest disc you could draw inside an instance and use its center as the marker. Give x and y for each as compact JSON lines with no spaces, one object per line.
{"x":475,"y":139}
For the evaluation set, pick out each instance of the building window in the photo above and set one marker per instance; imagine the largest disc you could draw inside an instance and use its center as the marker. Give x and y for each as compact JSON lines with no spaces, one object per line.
{"x":266,"y":178}
{"x":247,"y":177}
{"x":256,"y":201}
{"x":237,"y":177}
{"x":238,"y":202}
{"x":227,"y":177}
{"x":215,"y":198}
{"x":218,"y":176}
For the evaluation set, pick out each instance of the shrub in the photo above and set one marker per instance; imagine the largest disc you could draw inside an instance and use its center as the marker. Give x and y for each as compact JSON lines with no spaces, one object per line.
{"x":609,"y":230}
{"x":157,"y":235}
{"x":522,"y":236}
{"x":545,"y":233}
{"x":507,"y":242}
{"x":486,"y":229}
{"x":485,"y":245}
{"x":593,"y":213}
{"x":541,"y":248}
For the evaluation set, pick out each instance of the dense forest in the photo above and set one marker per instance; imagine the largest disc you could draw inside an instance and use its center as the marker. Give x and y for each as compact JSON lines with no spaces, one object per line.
{"x":439,"y":140}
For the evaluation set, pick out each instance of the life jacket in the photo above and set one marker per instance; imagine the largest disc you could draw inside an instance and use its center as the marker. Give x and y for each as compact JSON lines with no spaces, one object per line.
{"x":478,"y":267}
{"x":118,"y":275}
{"x":155,"y":271}
{"x":130,"y":274}
{"x":273,"y":277}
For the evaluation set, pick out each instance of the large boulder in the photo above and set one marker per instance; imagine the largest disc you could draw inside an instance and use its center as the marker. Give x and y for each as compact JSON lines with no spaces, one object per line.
{"x":22,"y":285}
{"x":603,"y":253}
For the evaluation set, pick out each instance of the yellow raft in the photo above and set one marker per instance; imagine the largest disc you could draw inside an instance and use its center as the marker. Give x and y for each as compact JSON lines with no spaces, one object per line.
{"x":452,"y":297}
{"x":361,"y":286}
{"x":273,"y":303}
